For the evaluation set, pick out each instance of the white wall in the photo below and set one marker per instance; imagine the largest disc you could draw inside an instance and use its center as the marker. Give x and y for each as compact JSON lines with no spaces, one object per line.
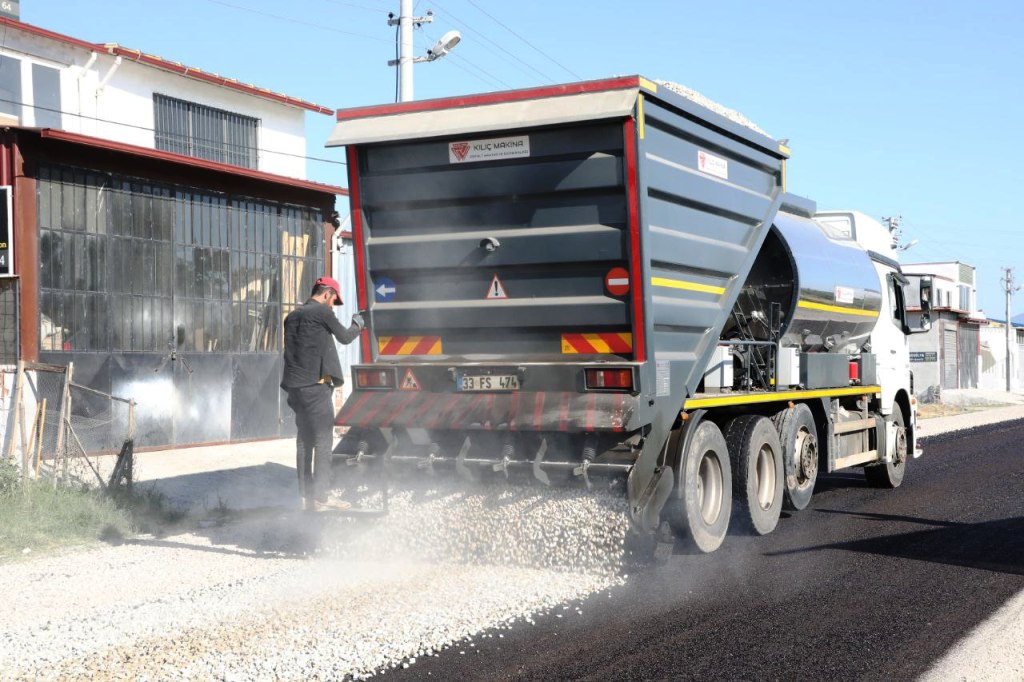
{"x":992,"y":363}
{"x":125,"y":105}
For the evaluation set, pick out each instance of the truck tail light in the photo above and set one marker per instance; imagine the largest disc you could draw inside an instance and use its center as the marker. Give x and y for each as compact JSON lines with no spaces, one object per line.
{"x":375,"y":378}
{"x":614,"y":379}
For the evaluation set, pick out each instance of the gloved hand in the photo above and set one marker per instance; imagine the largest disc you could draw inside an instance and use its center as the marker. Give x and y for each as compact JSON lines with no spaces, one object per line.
{"x":358,"y":321}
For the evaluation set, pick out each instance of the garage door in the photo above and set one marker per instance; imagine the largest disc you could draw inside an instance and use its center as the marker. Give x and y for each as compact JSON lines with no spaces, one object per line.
{"x":968,"y":343}
{"x":949,"y":357}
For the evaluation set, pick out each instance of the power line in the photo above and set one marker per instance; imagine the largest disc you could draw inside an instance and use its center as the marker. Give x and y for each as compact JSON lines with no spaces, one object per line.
{"x":224,"y":144}
{"x":507,"y":52}
{"x":375,"y":10}
{"x":300,"y":22}
{"x":542,"y":52}
{"x":471,"y":65}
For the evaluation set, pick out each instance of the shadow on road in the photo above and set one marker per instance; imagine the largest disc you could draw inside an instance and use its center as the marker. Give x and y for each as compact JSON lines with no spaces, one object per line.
{"x":989,"y":545}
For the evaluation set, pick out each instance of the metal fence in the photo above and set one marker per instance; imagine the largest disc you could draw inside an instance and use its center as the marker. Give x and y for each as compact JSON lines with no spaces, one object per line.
{"x":56,"y":429}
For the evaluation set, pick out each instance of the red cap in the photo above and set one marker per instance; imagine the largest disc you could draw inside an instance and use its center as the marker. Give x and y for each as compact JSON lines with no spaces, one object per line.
{"x":332,"y":283}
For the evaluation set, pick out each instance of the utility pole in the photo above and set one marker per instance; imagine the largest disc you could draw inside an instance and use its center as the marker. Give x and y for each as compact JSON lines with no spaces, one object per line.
{"x":1009,"y":287}
{"x":893,"y":223}
{"x":406,"y":22}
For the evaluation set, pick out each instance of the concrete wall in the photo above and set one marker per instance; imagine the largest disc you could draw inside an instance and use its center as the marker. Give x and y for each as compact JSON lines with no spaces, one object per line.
{"x":993,"y":358}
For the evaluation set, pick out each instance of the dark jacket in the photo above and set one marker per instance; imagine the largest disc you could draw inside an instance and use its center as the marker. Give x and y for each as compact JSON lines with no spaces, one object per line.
{"x":309,"y":352}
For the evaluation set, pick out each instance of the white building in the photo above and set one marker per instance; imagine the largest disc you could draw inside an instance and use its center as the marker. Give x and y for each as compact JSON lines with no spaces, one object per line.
{"x":50,"y":80}
{"x":947,"y":356}
{"x":161,"y":229}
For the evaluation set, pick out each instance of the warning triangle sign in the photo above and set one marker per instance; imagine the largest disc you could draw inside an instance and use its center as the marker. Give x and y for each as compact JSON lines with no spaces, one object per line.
{"x":496,"y":290}
{"x":409,"y":382}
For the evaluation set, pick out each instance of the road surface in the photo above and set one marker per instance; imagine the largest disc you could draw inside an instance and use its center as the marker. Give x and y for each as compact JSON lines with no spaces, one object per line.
{"x":863,"y":584}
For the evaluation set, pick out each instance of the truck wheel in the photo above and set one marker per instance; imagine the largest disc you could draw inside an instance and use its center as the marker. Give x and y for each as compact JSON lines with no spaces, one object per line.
{"x":799,"y":437}
{"x":757,"y":483}
{"x":890,"y":474}
{"x":705,"y":486}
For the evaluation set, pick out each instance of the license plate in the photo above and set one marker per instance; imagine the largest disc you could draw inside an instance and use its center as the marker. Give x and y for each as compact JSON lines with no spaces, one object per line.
{"x":489,"y":382}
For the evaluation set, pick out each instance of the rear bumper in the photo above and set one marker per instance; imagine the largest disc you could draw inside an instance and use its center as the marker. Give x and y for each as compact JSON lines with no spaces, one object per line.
{"x":520,"y":411}
{"x":552,"y":397}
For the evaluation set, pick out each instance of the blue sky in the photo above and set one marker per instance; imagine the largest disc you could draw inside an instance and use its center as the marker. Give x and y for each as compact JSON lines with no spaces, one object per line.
{"x":912,"y":108}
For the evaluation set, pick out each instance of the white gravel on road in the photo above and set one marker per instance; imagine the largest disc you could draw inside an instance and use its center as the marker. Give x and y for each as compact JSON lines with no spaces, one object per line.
{"x":236,"y":604}
{"x":243,"y":601}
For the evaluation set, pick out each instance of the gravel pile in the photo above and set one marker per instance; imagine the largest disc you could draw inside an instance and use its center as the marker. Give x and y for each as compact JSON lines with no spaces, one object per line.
{"x":236,"y":603}
{"x":714,"y":106}
{"x":556,"y":528}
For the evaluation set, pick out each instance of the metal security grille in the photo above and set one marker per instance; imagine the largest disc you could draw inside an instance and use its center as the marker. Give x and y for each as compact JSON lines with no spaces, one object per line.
{"x":950,"y":377}
{"x":129,"y":265}
{"x":196,"y":130}
{"x":966,"y":274}
{"x":968,"y":346}
{"x":8,"y":321}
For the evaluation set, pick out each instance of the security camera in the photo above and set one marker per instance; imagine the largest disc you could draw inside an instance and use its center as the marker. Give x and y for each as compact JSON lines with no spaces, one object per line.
{"x":445,"y":44}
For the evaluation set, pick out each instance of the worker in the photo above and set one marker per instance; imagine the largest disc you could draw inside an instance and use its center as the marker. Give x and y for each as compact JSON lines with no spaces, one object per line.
{"x":312,"y":370}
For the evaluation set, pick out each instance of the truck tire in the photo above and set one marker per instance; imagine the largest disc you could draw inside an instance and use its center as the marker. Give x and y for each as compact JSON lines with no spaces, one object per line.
{"x":757,"y":483}
{"x":799,"y":437}
{"x":701,"y":516}
{"x":890,"y":474}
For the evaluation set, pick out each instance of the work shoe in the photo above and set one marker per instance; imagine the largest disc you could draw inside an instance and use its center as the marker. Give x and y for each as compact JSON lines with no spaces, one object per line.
{"x":331,"y":504}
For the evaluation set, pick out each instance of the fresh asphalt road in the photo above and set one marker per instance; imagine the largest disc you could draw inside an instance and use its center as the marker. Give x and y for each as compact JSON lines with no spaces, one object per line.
{"x":864,"y":584}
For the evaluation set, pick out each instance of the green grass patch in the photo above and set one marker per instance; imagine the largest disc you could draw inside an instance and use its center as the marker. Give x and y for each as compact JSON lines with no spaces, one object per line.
{"x":43,"y":518}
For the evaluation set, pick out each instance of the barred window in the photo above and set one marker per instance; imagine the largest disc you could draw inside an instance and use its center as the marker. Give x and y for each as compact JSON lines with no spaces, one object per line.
{"x":131,"y":265}
{"x":197,"y":130}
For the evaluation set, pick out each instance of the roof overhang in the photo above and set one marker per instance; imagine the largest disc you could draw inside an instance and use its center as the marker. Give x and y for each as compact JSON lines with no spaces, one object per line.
{"x":534,"y":107}
{"x":182,"y":160}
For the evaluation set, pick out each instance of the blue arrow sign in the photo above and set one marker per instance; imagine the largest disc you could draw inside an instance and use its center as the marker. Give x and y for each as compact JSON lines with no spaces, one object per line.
{"x":384,"y":290}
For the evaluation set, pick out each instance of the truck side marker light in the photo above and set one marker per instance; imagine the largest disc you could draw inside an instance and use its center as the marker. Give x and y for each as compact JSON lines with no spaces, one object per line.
{"x":496,"y":290}
{"x":409,"y":382}
{"x":686,"y":286}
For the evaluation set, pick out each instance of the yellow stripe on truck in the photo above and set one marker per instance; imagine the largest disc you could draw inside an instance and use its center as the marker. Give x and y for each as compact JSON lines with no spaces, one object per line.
{"x":836,"y":309}
{"x":776,"y":396}
{"x":687,"y":286}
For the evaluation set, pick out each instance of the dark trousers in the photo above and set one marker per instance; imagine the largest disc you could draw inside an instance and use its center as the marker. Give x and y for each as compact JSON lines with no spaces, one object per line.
{"x":314,"y":420}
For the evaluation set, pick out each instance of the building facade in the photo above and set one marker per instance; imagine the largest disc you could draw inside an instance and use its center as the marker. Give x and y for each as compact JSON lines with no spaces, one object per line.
{"x":949,"y":356}
{"x":161,"y":228}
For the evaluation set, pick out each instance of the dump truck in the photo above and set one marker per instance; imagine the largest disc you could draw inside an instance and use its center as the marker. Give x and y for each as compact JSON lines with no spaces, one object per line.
{"x":608,"y":280}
